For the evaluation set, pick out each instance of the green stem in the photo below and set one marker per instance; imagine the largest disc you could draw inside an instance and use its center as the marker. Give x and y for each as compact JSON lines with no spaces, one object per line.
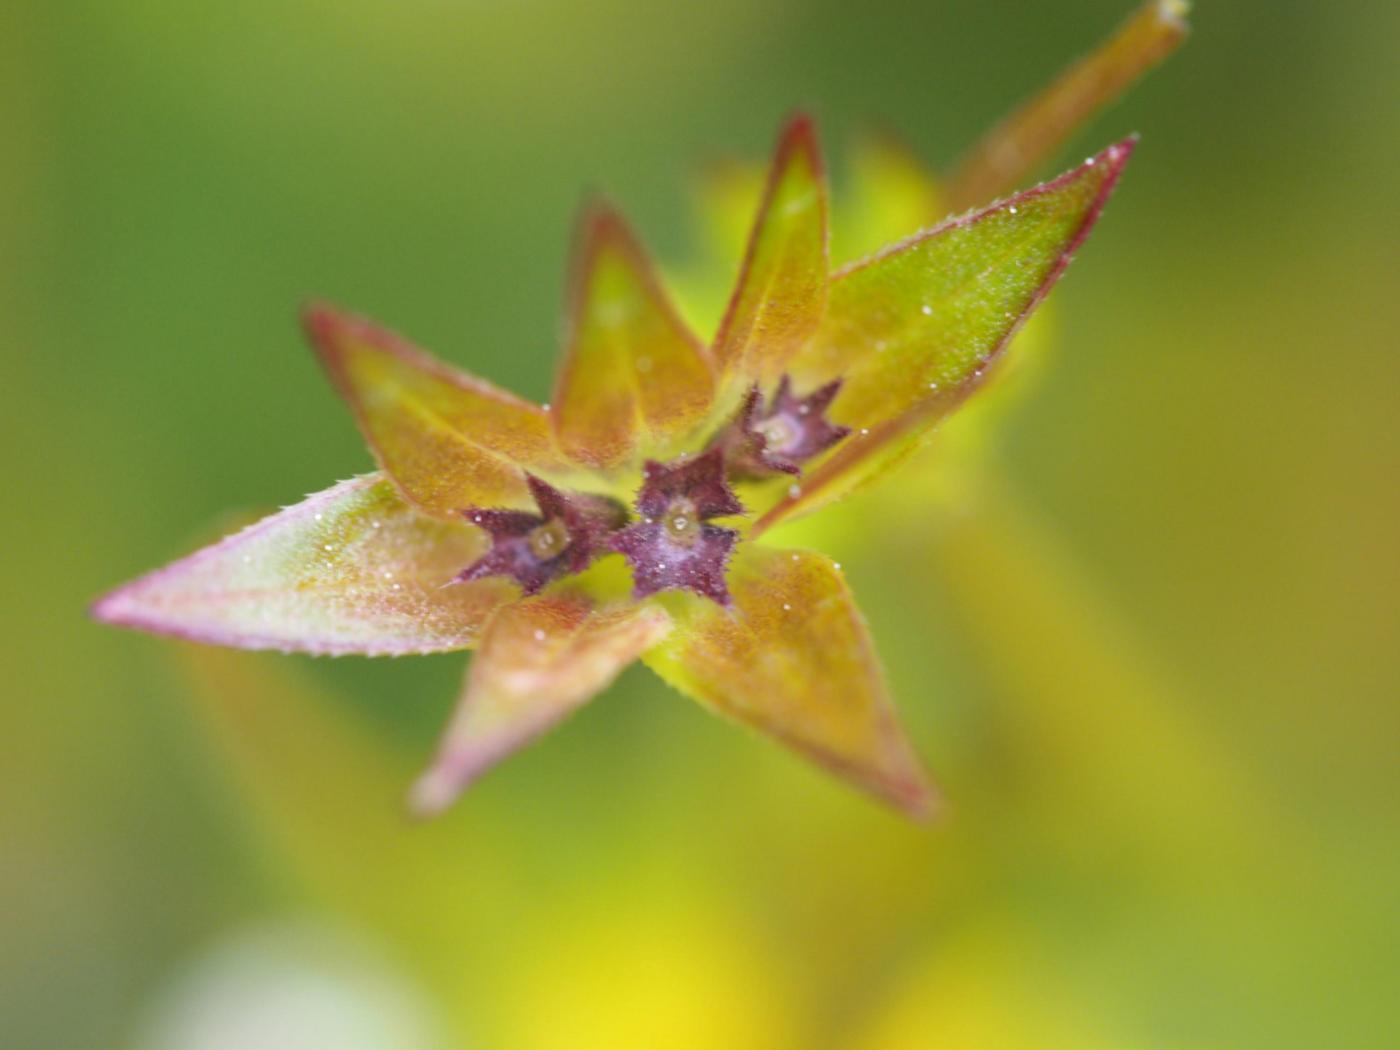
{"x":1109,"y":736}
{"x":1011,"y":152}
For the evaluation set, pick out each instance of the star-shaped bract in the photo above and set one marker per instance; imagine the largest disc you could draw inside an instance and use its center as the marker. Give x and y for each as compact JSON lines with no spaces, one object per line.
{"x":887,"y":347}
{"x":563,"y":538}
{"x":674,"y":547}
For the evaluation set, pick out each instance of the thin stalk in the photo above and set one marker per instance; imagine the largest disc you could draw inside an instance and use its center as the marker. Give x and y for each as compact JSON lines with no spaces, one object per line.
{"x":1012,"y":151}
{"x":1110,"y":732}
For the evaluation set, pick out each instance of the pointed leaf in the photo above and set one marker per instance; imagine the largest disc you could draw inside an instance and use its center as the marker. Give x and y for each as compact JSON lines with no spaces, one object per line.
{"x":913,"y":331}
{"x":447,"y":439}
{"x":632,"y":373}
{"x":794,"y":659}
{"x":777,"y":302}
{"x":353,"y":569}
{"x":540,"y":658}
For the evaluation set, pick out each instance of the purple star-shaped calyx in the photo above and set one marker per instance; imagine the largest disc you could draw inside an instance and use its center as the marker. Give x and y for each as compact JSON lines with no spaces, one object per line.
{"x":674,"y":546}
{"x":783,"y":434}
{"x":570,"y":530}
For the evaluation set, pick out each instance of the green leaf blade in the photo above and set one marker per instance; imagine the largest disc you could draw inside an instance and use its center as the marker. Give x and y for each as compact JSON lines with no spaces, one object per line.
{"x":913,"y":331}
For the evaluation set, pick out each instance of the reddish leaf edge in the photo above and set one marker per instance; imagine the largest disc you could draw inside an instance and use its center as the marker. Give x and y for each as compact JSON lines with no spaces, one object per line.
{"x":1117,"y":156}
{"x":600,"y":223}
{"x":322,"y":321}
{"x":109,"y":609}
{"x":799,"y":134}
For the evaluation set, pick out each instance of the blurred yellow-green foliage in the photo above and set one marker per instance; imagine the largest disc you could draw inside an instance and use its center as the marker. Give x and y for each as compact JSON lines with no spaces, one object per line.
{"x":1150,"y":646}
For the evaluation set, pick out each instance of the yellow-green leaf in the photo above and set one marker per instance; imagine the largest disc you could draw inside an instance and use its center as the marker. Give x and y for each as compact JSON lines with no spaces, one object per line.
{"x":540,"y":658}
{"x":447,"y":439}
{"x":777,"y":302}
{"x":633,"y":374}
{"x":793,"y":658}
{"x":914,"y":330}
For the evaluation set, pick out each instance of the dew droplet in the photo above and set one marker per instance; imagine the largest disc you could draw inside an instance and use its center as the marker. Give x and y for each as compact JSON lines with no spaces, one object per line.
{"x":786,"y":605}
{"x":926,"y":310}
{"x":794,"y":491}
{"x":330,"y":546}
{"x":1012,"y":209}
{"x":319,"y":517}
{"x":539,"y":634}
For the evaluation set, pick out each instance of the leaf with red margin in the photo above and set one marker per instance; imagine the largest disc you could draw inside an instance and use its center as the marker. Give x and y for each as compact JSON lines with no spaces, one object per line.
{"x":778,"y":300}
{"x":353,"y":569}
{"x":795,"y":660}
{"x":913,"y":331}
{"x":540,"y":659}
{"x":447,"y":439}
{"x":632,"y":372}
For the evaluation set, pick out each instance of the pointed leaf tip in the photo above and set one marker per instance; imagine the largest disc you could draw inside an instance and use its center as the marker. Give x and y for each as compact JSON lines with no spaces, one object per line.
{"x":447,"y":439}
{"x":633,"y":374}
{"x":540,"y":659}
{"x":352,"y":569}
{"x":778,"y":299}
{"x":793,"y":658}
{"x":917,"y":328}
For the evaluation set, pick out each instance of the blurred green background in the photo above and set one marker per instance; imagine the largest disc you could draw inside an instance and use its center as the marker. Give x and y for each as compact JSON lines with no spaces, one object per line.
{"x":1149,"y":646}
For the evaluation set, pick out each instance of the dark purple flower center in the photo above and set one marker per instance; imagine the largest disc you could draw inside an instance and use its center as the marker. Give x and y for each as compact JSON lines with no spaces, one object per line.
{"x":533,"y":549}
{"x":673,"y":546}
{"x":778,"y":437}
